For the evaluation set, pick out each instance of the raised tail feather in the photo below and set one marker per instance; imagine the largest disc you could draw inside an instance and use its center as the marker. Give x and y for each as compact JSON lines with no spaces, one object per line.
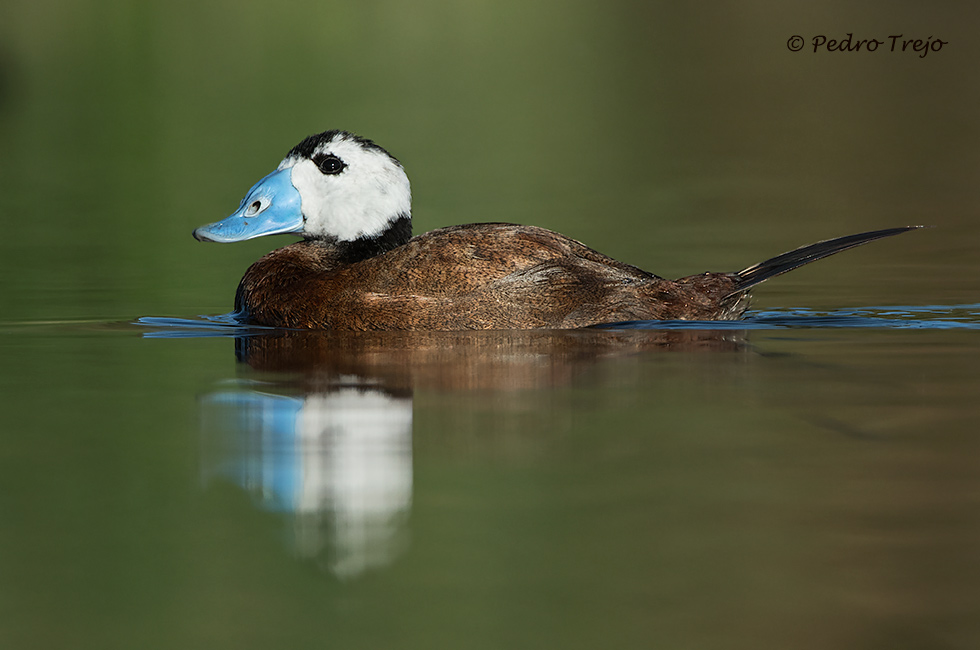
{"x":757,"y":273}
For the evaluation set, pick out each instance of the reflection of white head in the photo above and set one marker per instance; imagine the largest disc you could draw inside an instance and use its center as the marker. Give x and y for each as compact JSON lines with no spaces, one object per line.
{"x":350,"y":187}
{"x":356,"y":455}
{"x":339,"y":463}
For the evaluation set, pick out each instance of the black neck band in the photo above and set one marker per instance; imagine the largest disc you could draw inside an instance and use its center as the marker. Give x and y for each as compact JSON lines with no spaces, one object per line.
{"x":397,"y":233}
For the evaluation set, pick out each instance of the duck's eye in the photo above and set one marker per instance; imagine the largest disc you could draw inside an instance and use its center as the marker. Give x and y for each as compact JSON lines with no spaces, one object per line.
{"x":329,"y":163}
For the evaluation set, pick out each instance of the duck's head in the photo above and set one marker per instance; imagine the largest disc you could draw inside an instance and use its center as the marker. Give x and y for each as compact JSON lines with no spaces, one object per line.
{"x":333,"y":186}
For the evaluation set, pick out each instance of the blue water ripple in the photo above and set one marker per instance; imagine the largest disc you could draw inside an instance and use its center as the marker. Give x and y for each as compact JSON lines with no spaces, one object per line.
{"x":919,"y":317}
{"x":929,"y":317}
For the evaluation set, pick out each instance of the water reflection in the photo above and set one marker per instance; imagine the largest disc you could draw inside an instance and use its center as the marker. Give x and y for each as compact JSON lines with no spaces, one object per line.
{"x":338,"y":464}
{"x":318,"y":426}
{"x":460,"y":361}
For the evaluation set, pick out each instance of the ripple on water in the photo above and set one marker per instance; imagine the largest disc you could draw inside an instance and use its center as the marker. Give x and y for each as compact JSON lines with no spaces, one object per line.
{"x":220,"y":325}
{"x":921,"y":317}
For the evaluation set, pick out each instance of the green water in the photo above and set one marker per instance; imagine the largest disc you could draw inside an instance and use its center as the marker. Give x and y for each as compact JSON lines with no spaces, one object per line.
{"x":812,"y":486}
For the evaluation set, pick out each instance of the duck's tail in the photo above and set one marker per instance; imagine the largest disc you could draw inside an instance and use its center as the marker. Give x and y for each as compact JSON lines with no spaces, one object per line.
{"x":757,"y":273}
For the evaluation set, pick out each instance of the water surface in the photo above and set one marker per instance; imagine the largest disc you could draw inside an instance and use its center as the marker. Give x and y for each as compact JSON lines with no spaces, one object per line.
{"x":575,"y":488}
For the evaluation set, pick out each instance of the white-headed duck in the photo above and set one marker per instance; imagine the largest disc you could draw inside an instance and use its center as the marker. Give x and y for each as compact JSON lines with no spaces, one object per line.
{"x":359,"y":268}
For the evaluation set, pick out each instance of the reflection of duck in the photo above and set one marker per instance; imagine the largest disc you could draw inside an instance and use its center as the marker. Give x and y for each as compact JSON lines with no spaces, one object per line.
{"x":401,"y":362}
{"x":337,"y":464}
{"x":358,"y":267}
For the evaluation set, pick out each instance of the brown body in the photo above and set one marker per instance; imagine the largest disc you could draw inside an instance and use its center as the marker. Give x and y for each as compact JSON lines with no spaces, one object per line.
{"x":479,"y":276}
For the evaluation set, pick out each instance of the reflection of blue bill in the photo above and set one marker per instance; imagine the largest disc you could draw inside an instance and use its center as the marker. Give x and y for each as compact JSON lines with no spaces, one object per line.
{"x":258,"y":437}
{"x":338,"y":463}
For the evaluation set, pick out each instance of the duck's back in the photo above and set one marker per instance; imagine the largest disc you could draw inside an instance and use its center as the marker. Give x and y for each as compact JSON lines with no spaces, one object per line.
{"x":479,"y":276}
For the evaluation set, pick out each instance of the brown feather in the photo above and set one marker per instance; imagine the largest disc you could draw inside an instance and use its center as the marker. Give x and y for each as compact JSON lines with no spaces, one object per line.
{"x":478,"y":276}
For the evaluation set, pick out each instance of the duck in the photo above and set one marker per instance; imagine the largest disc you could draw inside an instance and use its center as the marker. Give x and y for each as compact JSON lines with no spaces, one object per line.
{"x":358,"y":267}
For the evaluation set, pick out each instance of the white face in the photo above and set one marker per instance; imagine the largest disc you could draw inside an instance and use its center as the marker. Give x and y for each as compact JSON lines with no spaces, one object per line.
{"x":361,"y":200}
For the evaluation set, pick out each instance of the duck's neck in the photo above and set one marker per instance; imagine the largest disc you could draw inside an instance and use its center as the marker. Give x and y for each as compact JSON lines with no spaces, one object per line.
{"x":398,"y":232}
